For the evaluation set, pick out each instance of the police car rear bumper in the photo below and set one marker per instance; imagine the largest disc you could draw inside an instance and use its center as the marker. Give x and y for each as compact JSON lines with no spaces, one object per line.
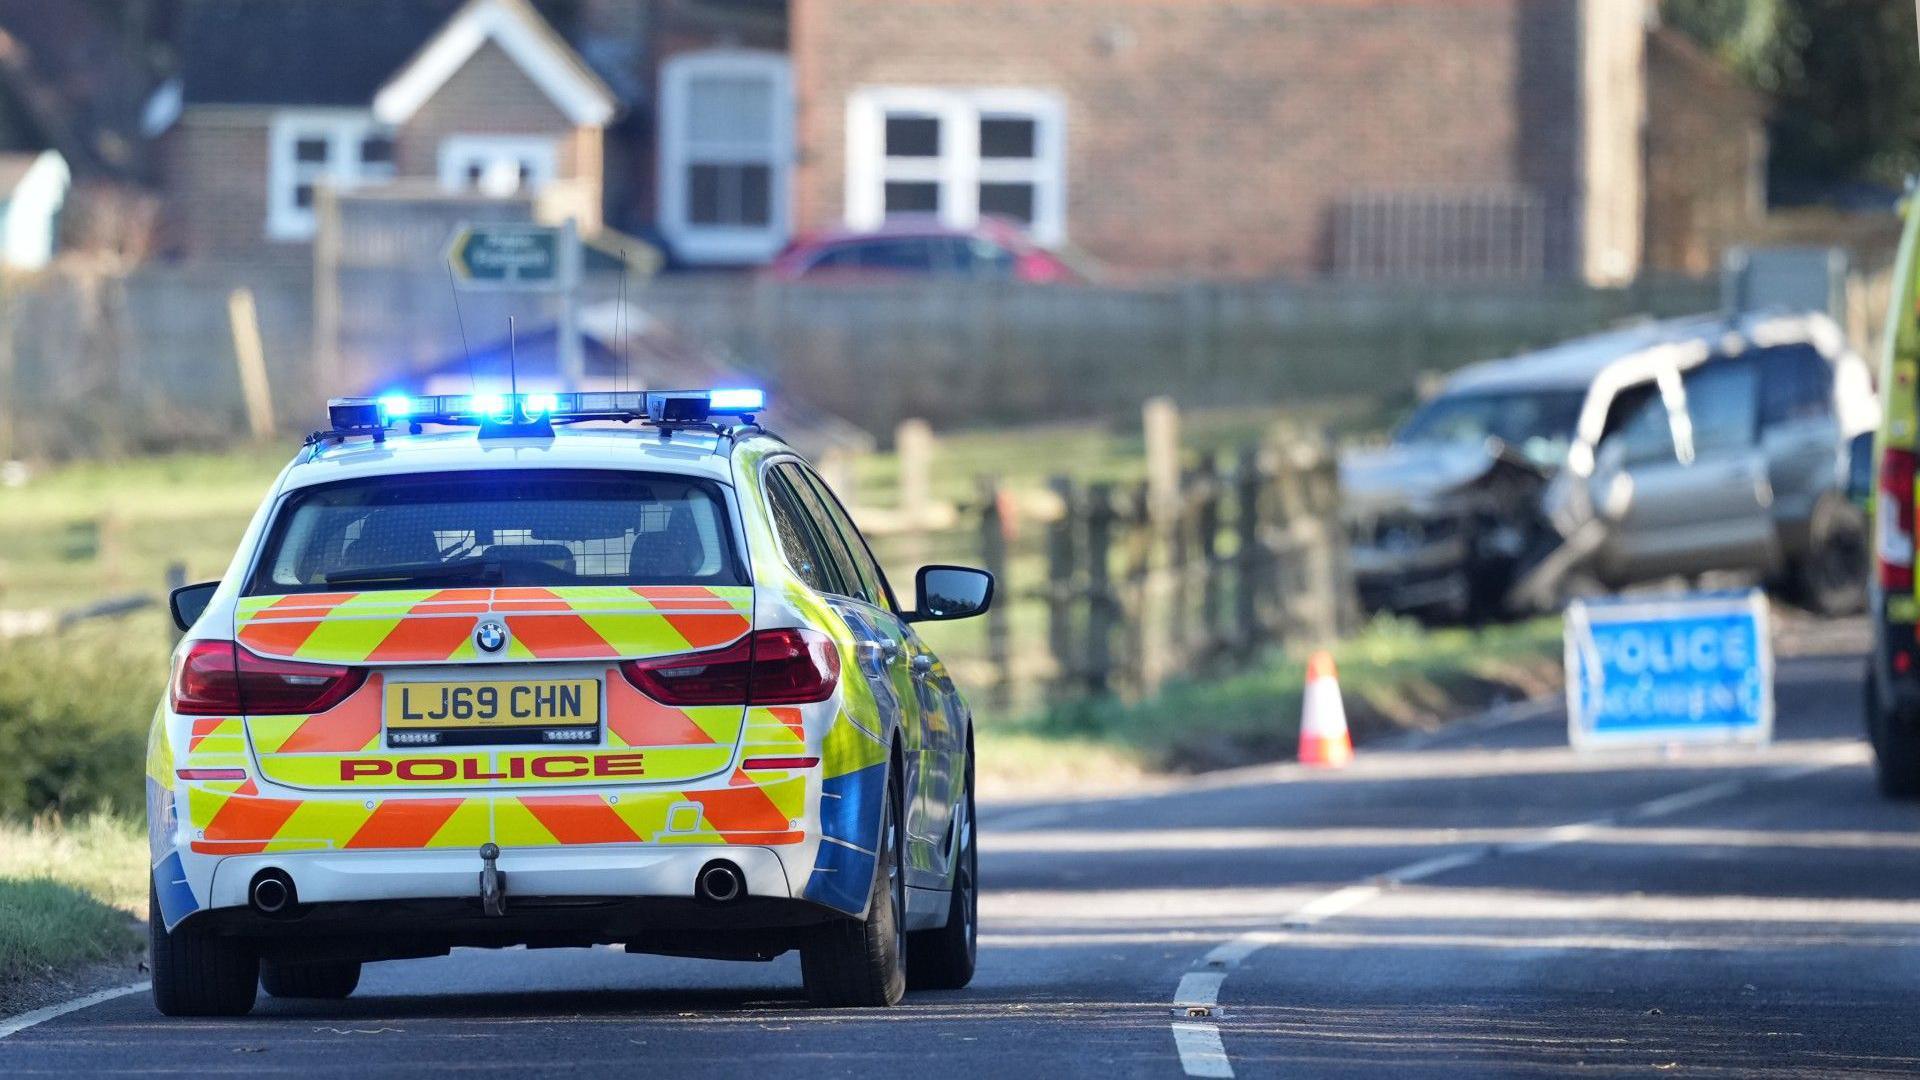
{"x":600,"y":871}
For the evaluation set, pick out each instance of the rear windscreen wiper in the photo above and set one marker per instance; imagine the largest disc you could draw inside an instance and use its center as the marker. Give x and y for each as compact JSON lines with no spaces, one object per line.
{"x":471,"y":570}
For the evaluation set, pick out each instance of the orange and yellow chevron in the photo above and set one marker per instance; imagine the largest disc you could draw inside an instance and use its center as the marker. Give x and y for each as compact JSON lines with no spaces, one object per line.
{"x":436,"y":625}
{"x":230,"y":818}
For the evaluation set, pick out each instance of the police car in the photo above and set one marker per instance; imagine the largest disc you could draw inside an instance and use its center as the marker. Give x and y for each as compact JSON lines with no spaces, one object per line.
{"x":558,"y":670}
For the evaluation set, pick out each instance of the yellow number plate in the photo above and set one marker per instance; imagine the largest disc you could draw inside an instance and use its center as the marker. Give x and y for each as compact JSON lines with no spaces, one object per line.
{"x":493,"y":704}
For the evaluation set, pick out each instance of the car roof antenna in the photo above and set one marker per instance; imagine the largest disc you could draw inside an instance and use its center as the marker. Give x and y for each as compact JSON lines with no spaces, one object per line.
{"x":453,"y":287}
{"x":513,"y":363}
{"x":620,"y":326}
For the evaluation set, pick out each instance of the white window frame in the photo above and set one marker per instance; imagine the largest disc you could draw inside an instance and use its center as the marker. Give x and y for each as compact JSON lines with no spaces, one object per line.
{"x":724,"y":244}
{"x":959,"y":170}
{"x":344,"y":130}
{"x":540,"y":155}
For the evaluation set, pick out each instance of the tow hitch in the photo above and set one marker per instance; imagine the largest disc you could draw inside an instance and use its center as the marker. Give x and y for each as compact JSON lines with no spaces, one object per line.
{"x":493,"y":883}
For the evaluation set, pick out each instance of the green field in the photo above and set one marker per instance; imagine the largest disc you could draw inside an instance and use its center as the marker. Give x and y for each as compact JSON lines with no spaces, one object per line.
{"x":94,"y":530}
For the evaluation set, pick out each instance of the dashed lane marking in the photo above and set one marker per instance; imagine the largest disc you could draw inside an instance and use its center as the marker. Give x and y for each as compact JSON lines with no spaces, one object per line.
{"x":1200,"y":1045}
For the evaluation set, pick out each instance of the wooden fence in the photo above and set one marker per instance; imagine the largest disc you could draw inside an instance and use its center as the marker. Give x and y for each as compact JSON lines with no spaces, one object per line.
{"x":1112,"y":588}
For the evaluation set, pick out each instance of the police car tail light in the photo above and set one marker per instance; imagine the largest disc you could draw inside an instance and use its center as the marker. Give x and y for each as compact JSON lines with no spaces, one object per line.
{"x":1894,"y":520}
{"x":771,"y":667}
{"x":219,"y":678}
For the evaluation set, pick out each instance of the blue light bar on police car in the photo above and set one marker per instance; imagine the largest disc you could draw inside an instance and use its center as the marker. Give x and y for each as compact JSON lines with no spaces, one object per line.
{"x":735,"y":402}
{"x":494,"y":409}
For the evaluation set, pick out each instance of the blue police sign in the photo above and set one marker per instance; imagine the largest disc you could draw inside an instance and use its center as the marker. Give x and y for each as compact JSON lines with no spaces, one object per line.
{"x":1669,"y":669}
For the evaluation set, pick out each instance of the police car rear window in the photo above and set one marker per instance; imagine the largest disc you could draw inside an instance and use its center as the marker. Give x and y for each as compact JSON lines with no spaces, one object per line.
{"x":489,"y":529}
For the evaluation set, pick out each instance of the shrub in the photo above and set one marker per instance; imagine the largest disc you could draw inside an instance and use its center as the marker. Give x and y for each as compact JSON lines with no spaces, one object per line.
{"x":74,"y":712}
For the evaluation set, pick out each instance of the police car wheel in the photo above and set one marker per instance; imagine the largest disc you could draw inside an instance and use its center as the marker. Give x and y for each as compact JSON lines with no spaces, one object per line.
{"x":199,"y":974}
{"x":943,"y":959}
{"x":331,"y":980}
{"x":861,"y":963}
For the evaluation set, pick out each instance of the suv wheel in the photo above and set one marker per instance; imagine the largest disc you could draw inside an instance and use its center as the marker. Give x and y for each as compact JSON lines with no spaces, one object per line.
{"x":943,"y":959}
{"x":196,"y":973}
{"x":328,"y":979}
{"x":1831,"y":578}
{"x":861,"y":963}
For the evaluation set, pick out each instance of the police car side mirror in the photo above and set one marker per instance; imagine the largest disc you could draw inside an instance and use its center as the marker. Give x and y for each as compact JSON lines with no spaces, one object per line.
{"x":943,"y":593}
{"x":188,"y":601}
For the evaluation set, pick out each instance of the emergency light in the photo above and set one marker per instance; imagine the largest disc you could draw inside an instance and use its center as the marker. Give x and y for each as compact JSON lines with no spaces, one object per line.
{"x":667,"y":407}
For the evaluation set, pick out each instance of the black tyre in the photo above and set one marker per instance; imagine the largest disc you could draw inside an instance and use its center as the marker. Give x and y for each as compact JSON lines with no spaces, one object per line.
{"x":943,"y":959}
{"x":198,"y":974}
{"x":1831,"y":578}
{"x":861,"y":963}
{"x":329,"y":980}
{"x":1896,"y":747}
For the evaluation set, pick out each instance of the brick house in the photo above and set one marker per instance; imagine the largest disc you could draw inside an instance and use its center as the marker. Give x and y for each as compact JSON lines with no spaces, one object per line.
{"x":274,"y":100}
{"x":1239,"y":138}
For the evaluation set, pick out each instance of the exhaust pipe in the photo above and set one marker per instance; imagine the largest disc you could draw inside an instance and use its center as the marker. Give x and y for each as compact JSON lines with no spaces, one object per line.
{"x":720,"y":882}
{"x":272,"y":892}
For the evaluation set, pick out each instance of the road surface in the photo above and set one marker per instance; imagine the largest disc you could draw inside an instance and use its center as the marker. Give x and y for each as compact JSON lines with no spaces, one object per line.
{"x":1481,"y":904}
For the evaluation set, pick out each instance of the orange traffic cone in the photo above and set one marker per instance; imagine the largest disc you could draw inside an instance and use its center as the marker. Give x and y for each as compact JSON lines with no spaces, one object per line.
{"x":1324,"y":739}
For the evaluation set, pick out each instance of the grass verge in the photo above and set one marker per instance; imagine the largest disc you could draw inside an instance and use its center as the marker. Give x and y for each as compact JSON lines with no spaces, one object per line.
{"x":1395,"y":676}
{"x":66,"y":894}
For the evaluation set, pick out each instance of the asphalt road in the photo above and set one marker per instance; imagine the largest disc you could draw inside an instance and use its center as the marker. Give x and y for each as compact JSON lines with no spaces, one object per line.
{"x":1481,"y":904}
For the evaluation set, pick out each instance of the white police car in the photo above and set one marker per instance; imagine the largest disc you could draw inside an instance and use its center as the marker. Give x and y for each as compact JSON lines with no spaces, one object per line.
{"x":558,"y":670}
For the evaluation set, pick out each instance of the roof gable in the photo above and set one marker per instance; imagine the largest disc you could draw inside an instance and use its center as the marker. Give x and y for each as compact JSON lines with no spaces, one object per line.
{"x":389,"y":55}
{"x":299,"y":52}
{"x":525,"y":37}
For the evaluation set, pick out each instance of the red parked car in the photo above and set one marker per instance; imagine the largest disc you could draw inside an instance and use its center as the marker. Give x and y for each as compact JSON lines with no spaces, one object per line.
{"x":995,"y":249}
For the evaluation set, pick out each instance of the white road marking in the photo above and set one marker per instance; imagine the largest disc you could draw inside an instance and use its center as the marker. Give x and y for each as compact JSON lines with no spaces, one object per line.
{"x":24,"y":1021}
{"x":1028,"y":819}
{"x":1203,"y":1052}
{"x":1686,"y":800}
{"x":1439,"y":864}
{"x":1326,"y":907}
{"x":1231,"y":953}
{"x":1199,"y":988}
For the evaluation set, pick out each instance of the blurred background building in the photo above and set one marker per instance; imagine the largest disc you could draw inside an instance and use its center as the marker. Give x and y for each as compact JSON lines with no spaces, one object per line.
{"x":1271,"y":187}
{"x":1214,"y":138}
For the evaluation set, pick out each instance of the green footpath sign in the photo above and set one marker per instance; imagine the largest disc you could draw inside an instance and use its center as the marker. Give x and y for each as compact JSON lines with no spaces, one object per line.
{"x":504,"y":256}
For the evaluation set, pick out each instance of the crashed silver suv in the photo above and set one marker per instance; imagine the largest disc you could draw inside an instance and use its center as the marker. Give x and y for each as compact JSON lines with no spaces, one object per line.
{"x":1441,"y":518}
{"x":1672,"y":449}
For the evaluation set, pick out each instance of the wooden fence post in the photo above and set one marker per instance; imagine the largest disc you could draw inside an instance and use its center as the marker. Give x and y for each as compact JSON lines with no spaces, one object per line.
{"x":1160,"y":425}
{"x":1180,"y":573}
{"x":913,"y":447}
{"x":251,"y":357}
{"x":1250,"y":580}
{"x":1146,"y":630}
{"x":993,"y":559}
{"x":1158,"y":565}
{"x":1061,"y":579}
{"x":1206,"y":532}
{"x":1101,"y":607}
